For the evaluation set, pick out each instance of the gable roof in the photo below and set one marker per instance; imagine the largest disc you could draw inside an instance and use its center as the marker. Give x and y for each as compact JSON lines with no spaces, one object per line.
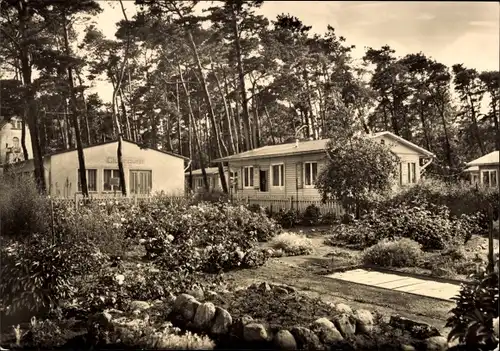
{"x":115,"y":141}
{"x":309,"y":147}
{"x":493,"y":158}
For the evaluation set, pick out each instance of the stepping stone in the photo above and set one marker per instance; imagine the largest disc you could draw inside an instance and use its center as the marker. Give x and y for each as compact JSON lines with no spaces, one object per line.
{"x":396,"y":282}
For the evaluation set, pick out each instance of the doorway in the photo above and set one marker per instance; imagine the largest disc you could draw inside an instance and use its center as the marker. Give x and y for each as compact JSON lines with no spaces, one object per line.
{"x":264,"y":186}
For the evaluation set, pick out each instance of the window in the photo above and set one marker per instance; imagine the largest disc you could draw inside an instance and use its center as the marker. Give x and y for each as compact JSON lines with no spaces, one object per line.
{"x":198,"y":183}
{"x":248,"y":177}
{"x":278,"y":175}
{"x":15,"y":141}
{"x":412,"y":172}
{"x":310,"y":173}
{"x":108,"y":174}
{"x":490,"y":178}
{"x":91,"y":180}
{"x":140,"y":182}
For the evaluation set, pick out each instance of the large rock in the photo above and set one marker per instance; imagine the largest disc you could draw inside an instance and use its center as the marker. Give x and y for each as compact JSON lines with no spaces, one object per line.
{"x":306,"y":339}
{"x":326,"y":331}
{"x":264,"y":287}
{"x":255,"y":332}
{"x":284,"y":340}
{"x":197,"y":293}
{"x":436,"y":343}
{"x":407,"y":347}
{"x":345,"y":324}
{"x":180,"y":301}
{"x":189,"y":310}
{"x":239,"y":325}
{"x":416,"y":329}
{"x":205,"y":313}
{"x":222,"y":322}
{"x":364,"y":321}
{"x":343,"y":308}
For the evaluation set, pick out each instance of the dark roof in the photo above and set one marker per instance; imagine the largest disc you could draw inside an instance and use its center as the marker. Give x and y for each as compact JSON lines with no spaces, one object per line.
{"x":308,"y":147}
{"x":115,"y":141}
{"x":208,"y":170}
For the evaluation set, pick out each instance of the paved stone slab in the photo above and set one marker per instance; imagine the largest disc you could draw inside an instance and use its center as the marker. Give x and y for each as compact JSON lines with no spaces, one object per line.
{"x":423,"y":287}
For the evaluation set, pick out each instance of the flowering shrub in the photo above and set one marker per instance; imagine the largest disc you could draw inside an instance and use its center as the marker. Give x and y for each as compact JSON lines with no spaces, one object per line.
{"x":357,"y":236}
{"x":163,"y":227}
{"x":393,"y":253}
{"x":287,"y":218}
{"x":293,"y":244}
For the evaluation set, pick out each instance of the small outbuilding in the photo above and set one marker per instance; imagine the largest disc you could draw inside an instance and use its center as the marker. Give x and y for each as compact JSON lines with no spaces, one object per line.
{"x":147,"y":171}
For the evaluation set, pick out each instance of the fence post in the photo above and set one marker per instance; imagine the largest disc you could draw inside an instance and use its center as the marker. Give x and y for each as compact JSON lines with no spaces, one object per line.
{"x":291,"y":203}
{"x":248,"y":199}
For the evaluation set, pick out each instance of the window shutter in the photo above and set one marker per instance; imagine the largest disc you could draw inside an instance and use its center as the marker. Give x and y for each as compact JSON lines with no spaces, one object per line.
{"x":300,"y":175}
{"x":256,"y":182}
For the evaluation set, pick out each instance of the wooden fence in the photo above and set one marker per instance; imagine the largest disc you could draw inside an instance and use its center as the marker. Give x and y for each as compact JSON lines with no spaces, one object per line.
{"x":276,"y":204}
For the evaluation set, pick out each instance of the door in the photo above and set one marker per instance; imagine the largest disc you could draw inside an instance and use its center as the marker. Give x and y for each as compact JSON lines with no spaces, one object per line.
{"x":264,"y":186}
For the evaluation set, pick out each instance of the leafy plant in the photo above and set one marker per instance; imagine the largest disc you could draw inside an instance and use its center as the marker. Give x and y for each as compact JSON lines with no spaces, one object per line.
{"x":356,"y":168}
{"x":393,"y":253}
{"x":287,"y":218}
{"x":36,"y":274}
{"x":477,"y":307}
{"x":293,"y":244}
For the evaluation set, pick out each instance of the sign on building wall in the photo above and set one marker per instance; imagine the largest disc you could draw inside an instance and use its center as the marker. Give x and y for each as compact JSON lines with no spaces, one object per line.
{"x":127,"y":160}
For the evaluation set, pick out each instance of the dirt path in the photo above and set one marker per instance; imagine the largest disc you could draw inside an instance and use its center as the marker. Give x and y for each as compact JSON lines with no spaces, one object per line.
{"x":386,"y":302}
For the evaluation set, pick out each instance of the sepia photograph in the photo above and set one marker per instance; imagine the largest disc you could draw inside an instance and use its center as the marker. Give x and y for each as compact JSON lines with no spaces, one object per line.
{"x":249,"y":175}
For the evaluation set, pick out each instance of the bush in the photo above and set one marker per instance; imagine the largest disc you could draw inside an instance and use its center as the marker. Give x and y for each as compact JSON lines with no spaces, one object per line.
{"x":431,"y":226}
{"x":98,"y":222}
{"x":293,"y":244}
{"x":22,"y":210}
{"x":459,"y":198}
{"x":393,"y":253}
{"x":311,"y":215}
{"x":329,"y":218}
{"x":286,"y":218}
{"x":477,"y":307}
{"x":35,"y":274}
{"x":255,"y":208}
{"x":356,"y":236}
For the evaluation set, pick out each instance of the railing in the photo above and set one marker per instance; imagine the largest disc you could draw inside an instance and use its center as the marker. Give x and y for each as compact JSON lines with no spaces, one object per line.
{"x":287,"y":203}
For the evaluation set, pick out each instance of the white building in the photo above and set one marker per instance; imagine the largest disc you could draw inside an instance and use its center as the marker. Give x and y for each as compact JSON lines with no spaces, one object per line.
{"x":10,"y":142}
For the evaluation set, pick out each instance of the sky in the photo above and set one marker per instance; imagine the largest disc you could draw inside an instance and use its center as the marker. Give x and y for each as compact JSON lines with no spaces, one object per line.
{"x":450,"y":32}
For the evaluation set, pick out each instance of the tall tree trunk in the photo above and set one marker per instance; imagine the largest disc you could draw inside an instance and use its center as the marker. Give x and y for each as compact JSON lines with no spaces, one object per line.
{"x":74,"y":114}
{"x":23,"y":137}
{"x":226,"y":111}
{"x":424,"y":126}
{"x":29,"y":94}
{"x":195,"y":132}
{"x":179,"y":117}
{"x":477,"y":134}
{"x":210,"y":112}
{"x":234,"y":124}
{"x":268,"y":117}
{"x":115,"y":112}
{"x":241,"y":77}
{"x":86,"y":115}
{"x":125,"y":117}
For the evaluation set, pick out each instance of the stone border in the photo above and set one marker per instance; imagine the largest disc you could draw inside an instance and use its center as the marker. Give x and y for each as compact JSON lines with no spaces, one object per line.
{"x":216,"y":322}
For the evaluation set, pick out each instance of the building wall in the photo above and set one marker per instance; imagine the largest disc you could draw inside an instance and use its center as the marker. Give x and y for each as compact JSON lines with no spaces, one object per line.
{"x":10,"y":131}
{"x":167,"y":171}
{"x":294,"y":172}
